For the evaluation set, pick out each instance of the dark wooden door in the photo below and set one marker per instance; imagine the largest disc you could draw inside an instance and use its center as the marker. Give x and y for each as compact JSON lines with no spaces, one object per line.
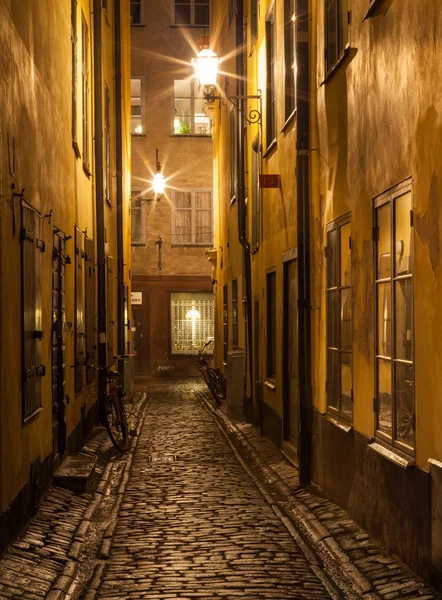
{"x":58,"y":345}
{"x":290,"y":366}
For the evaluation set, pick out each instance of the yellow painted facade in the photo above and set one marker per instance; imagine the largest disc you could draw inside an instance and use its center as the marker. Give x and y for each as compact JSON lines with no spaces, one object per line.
{"x":45,"y":59}
{"x":369,"y":409}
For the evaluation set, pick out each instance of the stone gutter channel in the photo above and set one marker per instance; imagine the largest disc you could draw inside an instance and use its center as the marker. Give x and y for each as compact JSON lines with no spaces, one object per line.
{"x":357,"y":564}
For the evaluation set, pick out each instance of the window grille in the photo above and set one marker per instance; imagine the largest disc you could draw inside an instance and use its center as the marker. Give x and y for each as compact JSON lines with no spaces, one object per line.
{"x":192,"y":321}
{"x":188,"y":109}
{"x":136,"y":12}
{"x":192,"y":12}
{"x":336,"y":30}
{"x":136,"y":107}
{"x":192,"y":218}
{"x":289,"y":58}
{"x":271,"y":75}
{"x":85,"y":89}
{"x":138,"y":220}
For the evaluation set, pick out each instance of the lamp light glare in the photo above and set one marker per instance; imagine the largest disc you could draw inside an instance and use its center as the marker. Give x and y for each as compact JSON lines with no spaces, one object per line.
{"x":158,"y":183}
{"x":206,"y":67}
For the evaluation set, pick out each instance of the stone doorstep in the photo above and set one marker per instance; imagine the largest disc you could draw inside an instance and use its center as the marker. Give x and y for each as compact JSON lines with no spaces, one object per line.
{"x":76,"y":473}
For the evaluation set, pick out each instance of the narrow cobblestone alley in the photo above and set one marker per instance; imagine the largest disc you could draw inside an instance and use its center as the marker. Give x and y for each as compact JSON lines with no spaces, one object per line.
{"x":193,"y":524}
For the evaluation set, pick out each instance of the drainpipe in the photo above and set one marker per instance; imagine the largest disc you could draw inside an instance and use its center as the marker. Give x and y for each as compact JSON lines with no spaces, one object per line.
{"x":119,"y":165}
{"x":303,"y":231}
{"x":99,"y":198}
{"x":242,"y":237}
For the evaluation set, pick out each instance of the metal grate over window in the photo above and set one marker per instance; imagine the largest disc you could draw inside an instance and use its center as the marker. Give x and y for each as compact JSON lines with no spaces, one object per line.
{"x":192,"y":321}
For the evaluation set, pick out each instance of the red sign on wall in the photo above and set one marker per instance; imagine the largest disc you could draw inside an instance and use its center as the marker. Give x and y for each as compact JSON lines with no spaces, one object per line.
{"x":269,"y":181}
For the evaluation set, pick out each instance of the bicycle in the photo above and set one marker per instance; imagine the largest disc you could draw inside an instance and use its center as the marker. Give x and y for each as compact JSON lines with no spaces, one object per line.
{"x":213,"y":377}
{"x":112,"y":413}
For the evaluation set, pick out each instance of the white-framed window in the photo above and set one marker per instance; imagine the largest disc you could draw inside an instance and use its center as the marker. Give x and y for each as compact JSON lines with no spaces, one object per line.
{"x":137,"y":12}
{"x":188,"y":109}
{"x":137,"y":108}
{"x":137,"y":219}
{"x":394,"y":396}
{"x":192,"y":217}
{"x":339,"y":319}
{"x":194,"y":13}
{"x":191,"y":321}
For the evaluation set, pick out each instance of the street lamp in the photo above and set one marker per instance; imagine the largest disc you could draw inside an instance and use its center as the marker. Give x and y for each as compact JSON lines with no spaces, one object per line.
{"x":206,"y":64}
{"x":158,"y":180}
{"x":206,"y":71}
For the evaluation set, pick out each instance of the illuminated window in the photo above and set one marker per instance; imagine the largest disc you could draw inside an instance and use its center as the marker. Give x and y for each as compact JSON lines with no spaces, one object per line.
{"x":192,"y":12}
{"x":136,"y":106}
{"x":339,"y":319}
{"x":192,"y":321}
{"x":188,"y":109}
{"x":336,"y":30}
{"x":395,"y":417}
{"x":192,"y":218}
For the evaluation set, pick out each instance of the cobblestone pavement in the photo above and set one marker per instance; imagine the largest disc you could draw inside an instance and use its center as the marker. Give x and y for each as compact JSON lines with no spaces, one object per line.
{"x":193,"y":523}
{"x":200,"y":507}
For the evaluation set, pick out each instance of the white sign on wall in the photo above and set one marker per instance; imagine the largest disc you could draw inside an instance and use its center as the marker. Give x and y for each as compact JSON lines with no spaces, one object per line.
{"x":137,"y":297}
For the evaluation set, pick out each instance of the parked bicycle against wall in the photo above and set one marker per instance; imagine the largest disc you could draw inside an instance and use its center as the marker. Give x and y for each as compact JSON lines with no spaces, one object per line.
{"x":213,"y":377}
{"x":112,"y":412}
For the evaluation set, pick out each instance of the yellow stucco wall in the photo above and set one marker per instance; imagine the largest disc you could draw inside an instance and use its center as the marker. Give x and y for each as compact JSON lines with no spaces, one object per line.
{"x":36,"y":118}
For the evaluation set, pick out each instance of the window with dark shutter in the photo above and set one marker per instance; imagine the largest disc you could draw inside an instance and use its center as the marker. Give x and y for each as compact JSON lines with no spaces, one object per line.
{"x":31,"y":248}
{"x":111,"y":323}
{"x":80,"y":350}
{"x":89,"y":280}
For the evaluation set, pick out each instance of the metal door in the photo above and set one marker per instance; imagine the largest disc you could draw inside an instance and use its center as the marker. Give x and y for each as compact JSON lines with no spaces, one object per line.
{"x":58,"y":345}
{"x":290,"y":358}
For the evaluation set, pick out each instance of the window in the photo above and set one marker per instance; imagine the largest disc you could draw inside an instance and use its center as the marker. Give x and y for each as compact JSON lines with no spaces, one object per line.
{"x":136,"y":12}
{"x":74,"y":74}
{"x":137,"y":106}
{"x":225,"y":322}
{"x":107,"y":148}
{"x":79,"y":324}
{"x":270,"y":75}
{"x":32,"y":334}
{"x":192,"y":12}
{"x":232,"y":11}
{"x":192,"y":321}
{"x":89,"y":307}
{"x":235,"y":313}
{"x":336,"y":30}
{"x":271,"y":325}
{"x":254,"y":12}
{"x":289,"y":59}
{"x":233,"y":156}
{"x":192,"y":218}
{"x":85,"y":89}
{"x":138,"y":219}
{"x":395,"y":418}
{"x":339,"y":319}
{"x":188,"y":111}
{"x":256,"y":219}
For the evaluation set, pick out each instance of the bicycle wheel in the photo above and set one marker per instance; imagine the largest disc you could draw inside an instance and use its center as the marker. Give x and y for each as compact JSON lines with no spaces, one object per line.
{"x":116,"y":422}
{"x":219,"y":384}
{"x":213,"y":383}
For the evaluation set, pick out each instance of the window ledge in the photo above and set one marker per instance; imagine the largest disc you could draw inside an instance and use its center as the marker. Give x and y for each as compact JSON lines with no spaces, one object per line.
{"x":137,"y":135}
{"x":374,"y":4}
{"x":189,"y":26}
{"x":335,"y":66}
{"x":76,"y":148}
{"x":139,"y":244}
{"x":289,"y":121}
{"x":190,"y":245}
{"x":191,"y":135}
{"x":270,"y":383}
{"x":336,"y":423}
{"x":232,"y":200}
{"x":33,"y":415}
{"x":270,"y":148}
{"x":398,"y":459}
{"x":87,"y":170}
{"x":137,"y":25}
